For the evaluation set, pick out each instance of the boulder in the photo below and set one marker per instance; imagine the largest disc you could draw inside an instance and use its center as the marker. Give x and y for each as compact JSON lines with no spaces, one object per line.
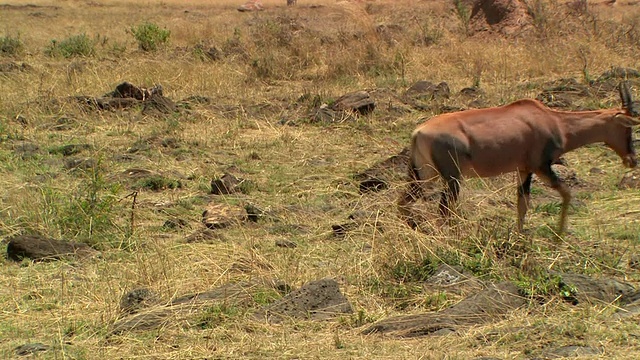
{"x":40,"y":248}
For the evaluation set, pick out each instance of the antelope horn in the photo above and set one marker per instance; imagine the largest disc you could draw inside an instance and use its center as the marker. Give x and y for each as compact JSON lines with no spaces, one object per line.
{"x":627,"y":101}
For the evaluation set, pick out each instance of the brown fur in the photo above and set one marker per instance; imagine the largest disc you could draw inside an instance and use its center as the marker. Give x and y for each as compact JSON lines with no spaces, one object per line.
{"x":524,"y":136}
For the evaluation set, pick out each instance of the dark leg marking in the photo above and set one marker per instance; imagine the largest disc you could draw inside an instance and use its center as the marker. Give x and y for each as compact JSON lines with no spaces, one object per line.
{"x":524,"y":192}
{"x":552,"y":150}
{"x":447,"y":151}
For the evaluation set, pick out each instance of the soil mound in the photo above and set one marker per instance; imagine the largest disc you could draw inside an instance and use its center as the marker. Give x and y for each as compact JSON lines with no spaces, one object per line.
{"x":506,"y":17}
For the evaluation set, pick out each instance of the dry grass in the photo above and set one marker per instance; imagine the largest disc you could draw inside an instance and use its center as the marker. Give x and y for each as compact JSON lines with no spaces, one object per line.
{"x":302,"y":175}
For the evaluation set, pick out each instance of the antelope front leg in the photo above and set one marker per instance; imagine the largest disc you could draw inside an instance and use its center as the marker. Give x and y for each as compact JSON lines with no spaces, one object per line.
{"x":524,"y":193}
{"x":554,"y":181}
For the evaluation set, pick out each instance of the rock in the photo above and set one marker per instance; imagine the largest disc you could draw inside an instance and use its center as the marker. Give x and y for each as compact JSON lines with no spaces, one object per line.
{"x":489,"y":305}
{"x":572,"y":351}
{"x":316,"y":300}
{"x":159,"y":105}
{"x":217,"y":216}
{"x":175,"y":223}
{"x":326,"y":114}
{"x":341,"y":230}
{"x":70,"y":149}
{"x":359,"y":102}
{"x":227,"y":184}
{"x":453,"y":279}
{"x":11,"y":66}
{"x":248,"y":265}
{"x":286,"y":244}
{"x":128,"y":90}
{"x":39,"y":248}
{"x":26,"y":150}
{"x":80,"y":163}
{"x":589,"y":289}
{"x":30,"y":349}
{"x":619,"y":73}
{"x":183,"y":309}
{"x":425,"y":90}
{"x":630,"y":180}
{"x":378,"y":176}
{"x":137,"y":299}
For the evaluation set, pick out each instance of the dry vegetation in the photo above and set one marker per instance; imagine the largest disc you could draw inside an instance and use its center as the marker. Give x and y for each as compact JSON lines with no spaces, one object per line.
{"x":276,"y":66}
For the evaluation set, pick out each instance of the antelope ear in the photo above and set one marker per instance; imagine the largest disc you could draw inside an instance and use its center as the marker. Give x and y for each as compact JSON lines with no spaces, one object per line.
{"x":626,"y":120}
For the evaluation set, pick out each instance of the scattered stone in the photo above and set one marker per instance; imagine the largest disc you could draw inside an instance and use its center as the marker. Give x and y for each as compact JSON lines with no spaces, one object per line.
{"x":135,"y":173}
{"x":426,"y":90}
{"x":212,"y":53}
{"x":70,"y":149}
{"x":589,"y":289}
{"x":128,"y":90}
{"x":227,"y":184}
{"x":158,"y":105}
{"x":182,"y":310}
{"x":30,"y":349}
{"x":619,"y":73}
{"x":170,"y":142}
{"x":39,"y":248}
{"x":137,"y":299}
{"x":248,"y":265}
{"x":175,"y":223}
{"x":204,"y":235}
{"x":380,"y":175}
{"x":341,"y":230}
{"x":572,"y":351}
{"x":26,"y":150}
{"x":316,"y":300}
{"x":358,"y":102}
{"x":11,"y":66}
{"x":286,"y":244}
{"x":324,"y":114}
{"x":454,"y":279}
{"x":217,"y":216}
{"x":630,"y":180}
{"x":486,"y":306}
{"x":254,"y":213}
{"x":596,"y":171}
{"x":197,"y":99}
{"x":562,"y":93}
{"x":80,"y":163}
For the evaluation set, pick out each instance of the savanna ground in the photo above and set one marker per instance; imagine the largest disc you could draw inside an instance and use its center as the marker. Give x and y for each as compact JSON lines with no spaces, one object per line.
{"x":276,"y":66}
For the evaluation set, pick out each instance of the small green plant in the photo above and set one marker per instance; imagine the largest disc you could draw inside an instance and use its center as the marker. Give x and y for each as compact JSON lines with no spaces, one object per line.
{"x":463,"y":14}
{"x":217,"y":314}
{"x":544,"y":286}
{"x":266,"y":296}
{"x":150,"y":36}
{"x":76,"y":45}
{"x":10,"y":46}
{"x":429,"y":34}
{"x":157,"y":183}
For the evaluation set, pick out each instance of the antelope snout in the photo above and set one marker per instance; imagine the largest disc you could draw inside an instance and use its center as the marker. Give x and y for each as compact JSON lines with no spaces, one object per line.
{"x":630,"y":161}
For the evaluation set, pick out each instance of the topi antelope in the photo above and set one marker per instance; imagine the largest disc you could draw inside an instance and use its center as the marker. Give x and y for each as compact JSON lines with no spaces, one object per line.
{"x":524,"y":136}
